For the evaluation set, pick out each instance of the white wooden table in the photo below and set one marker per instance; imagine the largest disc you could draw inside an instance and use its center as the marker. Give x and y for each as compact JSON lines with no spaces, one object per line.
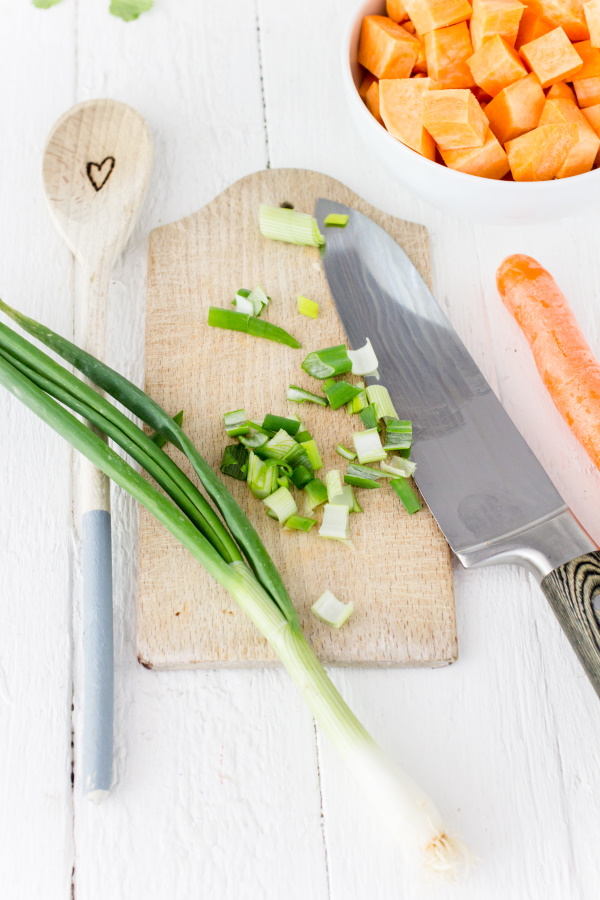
{"x":224,"y":790}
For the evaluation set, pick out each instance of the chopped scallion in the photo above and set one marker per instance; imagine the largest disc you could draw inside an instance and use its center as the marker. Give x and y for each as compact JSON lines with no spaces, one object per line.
{"x":301,"y":476}
{"x":362,"y":476}
{"x":300,"y":523}
{"x":336,"y":220}
{"x":280,"y":444}
{"x":284,"y":481}
{"x":299,"y":395}
{"x":235,"y":423}
{"x":281,"y":224}
{"x":399,"y":468}
{"x":339,"y":393}
{"x":334,"y":485}
{"x":336,"y":523}
{"x":398,"y":434}
{"x":330,"y":361}
{"x":368,"y":446}
{"x":347,"y":498}
{"x":379,"y":396}
{"x":343,"y":451}
{"x":243,"y":304}
{"x":368,"y":416}
{"x":303,"y":436}
{"x":235,"y":462}
{"x":258,"y":299}
{"x":237,"y":321}
{"x":262,"y":475}
{"x":297,"y":456}
{"x":281,"y":503}
{"x":331,"y":611}
{"x":275,"y":423}
{"x":312,"y":451}
{"x":316,"y":493}
{"x":364,"y":361}
{"x":254,"y":441}
{"x":407,"y":495}
{"x":359,"y":402}
{"x":329,"y":382}
{"x":307,"y":307}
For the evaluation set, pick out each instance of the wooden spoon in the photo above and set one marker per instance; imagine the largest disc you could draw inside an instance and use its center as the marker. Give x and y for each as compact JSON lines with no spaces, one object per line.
{"x":96,"y":169}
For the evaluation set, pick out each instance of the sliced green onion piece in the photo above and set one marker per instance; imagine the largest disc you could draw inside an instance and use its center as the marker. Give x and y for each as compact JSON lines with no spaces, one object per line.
{"x":298,"y":456}
{"x":299,"y":395}
{"x":334,"y":485}
{"x":254,"y":441}
{"x":327,"y":384}
{"x":258,"y":299}
{"x":300,"y":523}
{"x":260,"y":429}
{"x":399,"y":468}
{"x":280,"y":224}
{"x":343,"y":451}
{"x":312,"y":451}
{"x":303,"y":436}
{"x":316,"y":493}
{"x":308,"y":307}
{"x":364,"y":361}
{"x":398,"y":434}
{"x":284,"y":481}
{"x":362,"y":476}
{"x":347,"y":498}
{"x":237,"y":321}
{"x":160,"y":439}
{"x":336,"y":523}
{"x":272,"y":515}
{"x":406,"y":494}
{"x":359,"y":402}
{"x":235,"y":462}
{"x":336,"y":220}
{"x":368,"y":446}
{"x":330,"y":361}
{"x":280,"y":444}
{"x":368,"y":416}
{"x":301,"y":476}
{"x":331,"y":611}
{"x":235,"y":422}
{"x":281,"y":503}
{"x":262,"y":476}
{"x":276,"y":423}
{"x":243,"y":304}
{"x":379,"y":396}
{"x":340,"y":392}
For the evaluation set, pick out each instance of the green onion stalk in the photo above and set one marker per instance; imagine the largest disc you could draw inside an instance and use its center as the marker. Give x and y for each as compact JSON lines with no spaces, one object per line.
{"x":227,"y":546}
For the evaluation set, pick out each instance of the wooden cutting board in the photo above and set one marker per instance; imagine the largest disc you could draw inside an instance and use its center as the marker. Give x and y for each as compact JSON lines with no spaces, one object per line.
{"x":399,"y":577}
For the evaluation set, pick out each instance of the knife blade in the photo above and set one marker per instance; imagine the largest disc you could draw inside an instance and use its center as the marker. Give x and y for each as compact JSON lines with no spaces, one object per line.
{"x":489,"y":494}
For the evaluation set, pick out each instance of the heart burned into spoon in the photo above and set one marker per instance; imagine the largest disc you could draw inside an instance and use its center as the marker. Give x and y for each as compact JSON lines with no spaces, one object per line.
{"x":99,"y":173}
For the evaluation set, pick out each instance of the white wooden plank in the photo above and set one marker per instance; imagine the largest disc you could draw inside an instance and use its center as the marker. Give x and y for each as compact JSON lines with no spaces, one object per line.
{"x":217,"y":788}
{"x":495,"y":737}
{"x":35,"y":556}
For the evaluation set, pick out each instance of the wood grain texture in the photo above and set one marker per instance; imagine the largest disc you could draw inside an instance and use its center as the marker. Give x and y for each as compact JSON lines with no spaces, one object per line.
{"x":400,"y":577}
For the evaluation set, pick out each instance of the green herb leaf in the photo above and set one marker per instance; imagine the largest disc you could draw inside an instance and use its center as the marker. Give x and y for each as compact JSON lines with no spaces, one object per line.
{"x":128,"y":10}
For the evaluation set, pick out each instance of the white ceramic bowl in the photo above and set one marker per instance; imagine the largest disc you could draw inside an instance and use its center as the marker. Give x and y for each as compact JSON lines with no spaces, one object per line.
{"x":466,"y":196}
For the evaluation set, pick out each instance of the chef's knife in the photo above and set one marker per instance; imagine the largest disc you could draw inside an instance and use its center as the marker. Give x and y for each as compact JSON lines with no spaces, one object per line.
{"x":489,"y":494}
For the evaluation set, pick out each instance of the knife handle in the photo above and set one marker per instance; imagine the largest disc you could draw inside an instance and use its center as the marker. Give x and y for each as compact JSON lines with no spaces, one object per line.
{"x":573,"y":591}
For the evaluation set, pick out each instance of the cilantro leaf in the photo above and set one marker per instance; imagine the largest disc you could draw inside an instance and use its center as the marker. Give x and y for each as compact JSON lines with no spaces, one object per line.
{"x":128,"y":10}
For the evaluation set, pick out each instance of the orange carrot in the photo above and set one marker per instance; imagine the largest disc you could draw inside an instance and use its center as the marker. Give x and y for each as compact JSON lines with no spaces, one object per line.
{"x":563,"y":358}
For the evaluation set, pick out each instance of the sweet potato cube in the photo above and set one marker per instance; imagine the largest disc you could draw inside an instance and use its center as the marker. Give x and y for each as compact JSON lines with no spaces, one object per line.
{"x":591,"y":59}
{"x":420,"y":65}
{"x":539,"y":154}
{"x":401,"y":105}
{"x":447,"y":51}
{"x":591,"y":10}
{"x":366,"y":84}
{"x":587,"y":91}
{"x":531,"y":27}
{"x":492,"y":17}
{"x":489,"y":161}
{"x":372,"y":101}
{"x":561,"y":90}
{"x":454,"y":119}
{"x":427,"y":15}
{"x":582,"y":155}
{"x":516,"y":109}
{"x":396,"y":10}
{"x":552,"y":57}
{"x":496,"y":65}
{"x":592,"y":115}
{"x":386,"y":49}
{"x":567,"y":14}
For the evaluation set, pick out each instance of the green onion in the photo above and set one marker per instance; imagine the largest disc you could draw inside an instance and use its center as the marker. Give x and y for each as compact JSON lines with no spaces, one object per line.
{"x":262,"y":476}
{"x":284,"y":481}
{"x":260,"y":429}
{"x":407,"y":495}
{"x":398,"y":434}
{"x":307,"y":307}
{"x":368,"y":446}
{"x":299,"y":395}
{"x":364,"y":361}
{"x":379,"y":396}
{"x":334,"y":485}
{"x":254,"y":441}
{"x":343,"y":451}
{"x":303,"y":436}
{"x":242,"y":303}
{"x":275,"y":423}
{"x":331,"y":611}
{"x":359,"y":402}
{"x":362,"y":476}
{"x":368,"y":416}
{"x":339,"y":393}
{"x":336,"y":220}
{"x":280,"y":444}
{"x":336,"y":523}
{"x":281,"y":503}
{"x":347,"y":498}
{"x":235,"y":462}
{"x":326,"y":363}
{"x":235,"y":423}
{"x":280,"y":224}
{"x":301,"y":476}
{"x":399,"y":468}
{"x":237,"y":321}
{"x":329,"y":382}
{"x":161,"y":439}
{"x":258,"y":299}
{"x":312,"y":451}
{"x":297,"y":456}
{"x":316,"y":493}
{"x":300,"y":523}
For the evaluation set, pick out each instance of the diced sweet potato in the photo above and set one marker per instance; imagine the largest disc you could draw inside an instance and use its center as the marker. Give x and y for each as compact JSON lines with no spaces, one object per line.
{"x":539,"y":154}
{"x":592,"y":115}
{"x":489,"y":161}
{"x":372,"y":101}
{"x":427,"y":15}
{"x":531,"y":27}
{"x":366,"y":84}
{"x":492,"y":17}
{"x":496,"y":65}
{"x":396,"y":10}
{"x":408,"y":25}
{"x":552,"y":57}
{"x":420,"y":65}
{"x":568,"y":14}
{"x":562,"y":90}
{"x":386,"y":49}
{"x":587,"y":91}
{"x":480,"y":95}
{"x":516,"y":109}
{"x":447,"y":51}
{"x":454,"y":119}
{"x":401,"y":105}
{"x":591,"y":11}
{"x":591,"y":59}
{"x":582,"y":155}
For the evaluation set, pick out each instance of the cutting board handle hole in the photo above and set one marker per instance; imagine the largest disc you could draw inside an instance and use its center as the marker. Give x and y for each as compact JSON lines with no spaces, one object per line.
{"x":286,"y":205}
